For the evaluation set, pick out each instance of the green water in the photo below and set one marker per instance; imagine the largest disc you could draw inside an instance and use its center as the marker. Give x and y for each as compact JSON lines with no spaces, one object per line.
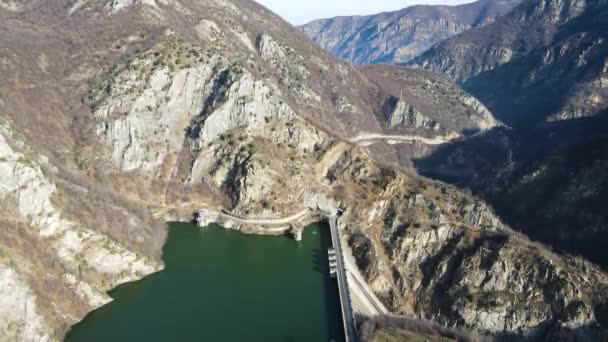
{"x":221,"y":285}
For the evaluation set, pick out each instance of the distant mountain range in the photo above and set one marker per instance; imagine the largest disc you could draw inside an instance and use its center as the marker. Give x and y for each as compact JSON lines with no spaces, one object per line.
{"x":398,"y":37}
{"x":546,"y":60}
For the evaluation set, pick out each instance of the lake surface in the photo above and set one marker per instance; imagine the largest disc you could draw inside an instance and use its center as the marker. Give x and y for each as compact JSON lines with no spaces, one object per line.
{"x":221,"y":285}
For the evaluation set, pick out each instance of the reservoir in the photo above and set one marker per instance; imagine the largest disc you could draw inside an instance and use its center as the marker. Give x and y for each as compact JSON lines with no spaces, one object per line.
{"x":221,"y":285}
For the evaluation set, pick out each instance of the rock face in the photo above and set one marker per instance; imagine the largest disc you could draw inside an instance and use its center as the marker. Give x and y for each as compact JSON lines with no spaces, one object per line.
{"x":151,"y":122}
{"x":398,"y":37}
{"x":149,"y":108}
{"x":166,"y":110}
{"x":118,"y":5}
{"x":544,"y":61}
{"x":16,"y":321}
{"x":9,"y":5}
{"x":419,"y":101}
{"x":400,"y":113}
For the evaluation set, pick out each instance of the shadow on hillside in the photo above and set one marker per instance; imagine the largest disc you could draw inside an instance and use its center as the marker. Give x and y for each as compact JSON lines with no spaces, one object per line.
{"x":549,"y":331}
{"x":548,"y":182}
{"x":425,"y":329}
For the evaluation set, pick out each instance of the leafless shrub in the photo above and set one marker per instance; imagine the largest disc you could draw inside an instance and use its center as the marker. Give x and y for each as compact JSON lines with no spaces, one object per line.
{"x":99,"y":207}
{"x":370,"y":325}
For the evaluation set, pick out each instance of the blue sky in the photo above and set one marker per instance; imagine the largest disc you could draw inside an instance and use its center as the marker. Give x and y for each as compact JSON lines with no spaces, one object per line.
{"x":302,"y":11}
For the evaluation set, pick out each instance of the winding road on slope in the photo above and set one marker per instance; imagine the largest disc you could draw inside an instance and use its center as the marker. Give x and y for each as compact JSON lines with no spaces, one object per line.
{"x":367,"y":139}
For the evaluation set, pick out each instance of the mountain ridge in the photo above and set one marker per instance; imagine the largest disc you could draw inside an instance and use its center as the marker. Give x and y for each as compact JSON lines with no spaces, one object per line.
{"x":399,"y":36}
{"x":545,"y":60}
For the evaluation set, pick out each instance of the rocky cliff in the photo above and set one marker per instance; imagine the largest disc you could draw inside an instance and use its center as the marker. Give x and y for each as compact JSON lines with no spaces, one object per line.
{"x":430,"y":251}
{"x":118,"y":114}
{"x":400,"y":36}
{"x":54,"y":269}
{"x":416,"y":100}
{"x":544,"y":61}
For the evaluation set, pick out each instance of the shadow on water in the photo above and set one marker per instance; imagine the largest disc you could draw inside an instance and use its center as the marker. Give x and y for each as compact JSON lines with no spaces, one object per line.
{"x":332,"y":301}
{"x":320,"y":256}
{"x":317,"y":260}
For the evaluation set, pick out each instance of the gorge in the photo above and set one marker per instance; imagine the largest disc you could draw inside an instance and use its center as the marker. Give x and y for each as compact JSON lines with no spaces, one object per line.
{"x":117,"y":116}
